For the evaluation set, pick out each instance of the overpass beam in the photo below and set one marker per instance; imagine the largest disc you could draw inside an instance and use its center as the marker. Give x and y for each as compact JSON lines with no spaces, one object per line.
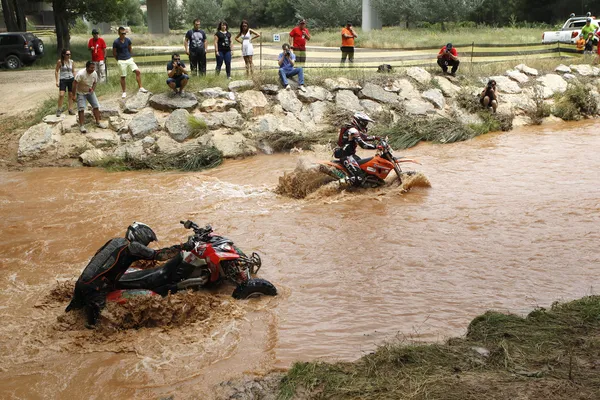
{"x":370,"y":17}
{"x":158,"y":16}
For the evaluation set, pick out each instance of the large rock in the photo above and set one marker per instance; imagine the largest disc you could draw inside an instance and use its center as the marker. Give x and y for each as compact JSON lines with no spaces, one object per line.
{"x":562,"y":69}
{"x":319,"y":111}
{"x":418,"y":106}
{"x":103,"y":138}
{"x":269,"y":124}
{"x":462,"y":115}
{"x":517,"y":76}
{"x":253,"y":103}
{"x":178,"y":125}
{"x":448,"y":88}
{"x":109,"y":109}
{"x":436,"y":97}
{"x":288,"y":100}
{"x":38,"y":140}
{"x":143,"y":124}
{"x":230,"y":144}
{"x":405,"y":89}
{"x":270,"y":88}
{"x":217,"y":93}
{"x":527,"y":70}
{"x":551,"y":84}
{"x":133,"y":150}
{"x":167,"y":102}
{"x":419,"y":74}
{"x":371,"y":107}
{"x":217,"y":105}
{"x":53,"y":119}
{"x":375,"y":92}
{"x":314,"y":93}
{"x":504,"y":84}
{"x":229,"y":119}
{"x":583,"y":69}
{"x":341,"y":83}
{"x":347,"y":100}
{"x":166,"y":145}
{"x":236,"y":86}
{"x":523,"y":102}
{"x":120,"y":124}
{"x":92,"y":157}
{"x":137,"y":102}
{"x":71,"y":145}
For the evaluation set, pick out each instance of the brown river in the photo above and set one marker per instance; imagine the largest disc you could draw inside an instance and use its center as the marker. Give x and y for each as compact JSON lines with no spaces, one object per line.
{"x":510,"y":222}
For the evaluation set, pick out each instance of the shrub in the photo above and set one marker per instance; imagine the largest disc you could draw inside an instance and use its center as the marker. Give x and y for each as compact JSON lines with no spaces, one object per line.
{"x":574,"y":102}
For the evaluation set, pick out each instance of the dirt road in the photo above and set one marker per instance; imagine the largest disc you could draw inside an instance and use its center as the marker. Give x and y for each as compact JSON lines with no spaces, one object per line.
{"x":23,"y":90}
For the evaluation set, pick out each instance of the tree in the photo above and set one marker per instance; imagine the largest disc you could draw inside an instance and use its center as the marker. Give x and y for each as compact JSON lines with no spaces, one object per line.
{"x":176,"y":14}
{"x":392,"y":12}
{"x":14,"y":15}
{"x":279,"y":12}
{"x":329,"y":13}
{"x":209,"y":12}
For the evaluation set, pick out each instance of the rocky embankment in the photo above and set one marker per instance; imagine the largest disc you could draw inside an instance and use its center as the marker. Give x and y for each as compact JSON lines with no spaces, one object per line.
{"x":246,"y":119}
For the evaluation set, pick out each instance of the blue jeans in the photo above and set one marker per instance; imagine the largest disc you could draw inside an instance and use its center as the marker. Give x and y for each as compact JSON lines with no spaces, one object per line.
{"x":288,"y":73}
{"x":224,"y":56}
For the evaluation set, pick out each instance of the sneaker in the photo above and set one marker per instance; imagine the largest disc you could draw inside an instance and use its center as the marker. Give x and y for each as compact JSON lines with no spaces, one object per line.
{"x":182,"y":93}
{"x":58,"y":112}
{"x":302,"y":88}
{"x":82,"y":129}
{"x":142,"y":90}
{"x":71,"y":112}
{"x":124,"y":95}
{"x":288,"y":87}
{"x":102,"y":125}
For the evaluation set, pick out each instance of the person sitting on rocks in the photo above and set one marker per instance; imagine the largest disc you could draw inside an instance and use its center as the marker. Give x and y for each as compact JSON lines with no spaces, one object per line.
{"x":84,"y":86}
{"x":178,"y":77}
{"x":287,"y":70}
{"x":448,"y":56}
{"x":488,"y":97}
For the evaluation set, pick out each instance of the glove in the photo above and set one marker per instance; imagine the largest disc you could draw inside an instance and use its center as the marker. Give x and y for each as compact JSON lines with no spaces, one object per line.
{"x":379,"y":147}
{"x":189,"y":245}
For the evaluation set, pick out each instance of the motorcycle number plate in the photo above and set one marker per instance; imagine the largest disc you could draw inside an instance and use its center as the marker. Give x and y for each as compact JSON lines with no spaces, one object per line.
{"x":192,"y":259}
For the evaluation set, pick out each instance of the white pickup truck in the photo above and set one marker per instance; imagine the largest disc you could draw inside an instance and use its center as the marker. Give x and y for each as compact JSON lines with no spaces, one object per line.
{"x":570,"y":31}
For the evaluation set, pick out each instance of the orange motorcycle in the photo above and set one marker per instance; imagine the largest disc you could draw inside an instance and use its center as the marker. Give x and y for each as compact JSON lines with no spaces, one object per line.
{"x":376,"y":168}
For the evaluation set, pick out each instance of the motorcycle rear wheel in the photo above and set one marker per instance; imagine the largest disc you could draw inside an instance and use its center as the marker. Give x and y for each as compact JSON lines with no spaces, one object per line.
{"x":254,"y":287}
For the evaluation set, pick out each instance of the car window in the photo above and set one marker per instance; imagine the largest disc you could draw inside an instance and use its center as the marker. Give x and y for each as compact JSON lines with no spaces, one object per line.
{"x":578,"y":24}
{"x":7,"y":40}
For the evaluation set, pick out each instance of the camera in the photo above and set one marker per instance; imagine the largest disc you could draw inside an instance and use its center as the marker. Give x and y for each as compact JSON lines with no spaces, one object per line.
{"x":288,"y":52}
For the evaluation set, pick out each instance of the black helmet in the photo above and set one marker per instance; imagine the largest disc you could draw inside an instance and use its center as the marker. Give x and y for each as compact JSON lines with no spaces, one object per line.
{"x":142,"y":233}
{"x":360,"y":120}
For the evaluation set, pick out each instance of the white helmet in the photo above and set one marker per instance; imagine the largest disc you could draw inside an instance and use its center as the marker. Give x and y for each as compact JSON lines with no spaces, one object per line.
{"x":360,"y":120}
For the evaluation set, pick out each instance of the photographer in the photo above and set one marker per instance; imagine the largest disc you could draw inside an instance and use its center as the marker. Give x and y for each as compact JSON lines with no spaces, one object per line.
{"x":448,"y":56}
{"x":488,"y":97}
{"x":178,"y":77}
{"x":286,"y":60}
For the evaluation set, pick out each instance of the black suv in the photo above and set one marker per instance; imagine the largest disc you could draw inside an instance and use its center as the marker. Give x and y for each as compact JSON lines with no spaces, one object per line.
{"x":21,"y":48}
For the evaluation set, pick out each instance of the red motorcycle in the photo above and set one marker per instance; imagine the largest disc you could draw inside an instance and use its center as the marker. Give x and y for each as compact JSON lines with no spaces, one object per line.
{"x":206,"y":259}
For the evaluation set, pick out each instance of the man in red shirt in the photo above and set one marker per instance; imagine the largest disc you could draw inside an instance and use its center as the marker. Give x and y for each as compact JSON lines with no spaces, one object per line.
{"x":97,"y":47}
{"x":448,"y":56}
{"x":298,"y":38}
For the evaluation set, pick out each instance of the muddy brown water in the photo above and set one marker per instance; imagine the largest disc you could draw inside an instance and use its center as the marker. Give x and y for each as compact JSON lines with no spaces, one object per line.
{"x":510,"y":222}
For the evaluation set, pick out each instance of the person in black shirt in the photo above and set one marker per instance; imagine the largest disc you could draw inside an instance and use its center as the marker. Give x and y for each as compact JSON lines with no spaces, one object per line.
{"x":488,"y":97}
{"x":223,"y":48}
{"x":178,"y":77}
{"x":195,"y":47}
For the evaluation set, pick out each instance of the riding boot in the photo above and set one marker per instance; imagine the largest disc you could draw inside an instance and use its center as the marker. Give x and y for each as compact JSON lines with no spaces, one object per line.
{"x":357,"y":175}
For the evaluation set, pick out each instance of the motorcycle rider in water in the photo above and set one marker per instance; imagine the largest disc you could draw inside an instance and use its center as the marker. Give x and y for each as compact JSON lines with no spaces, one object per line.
{"x":351,"y":135}
{"x":109,"y":263}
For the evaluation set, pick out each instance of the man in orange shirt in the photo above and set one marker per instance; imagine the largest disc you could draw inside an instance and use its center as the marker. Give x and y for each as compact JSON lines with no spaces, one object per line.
{"x":348,"y":36}
{"x":298,"y":38}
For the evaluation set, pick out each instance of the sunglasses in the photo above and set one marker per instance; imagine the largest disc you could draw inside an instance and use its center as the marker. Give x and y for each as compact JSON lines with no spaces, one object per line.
{"x":177,"y":59}
{"x":67,"y":54}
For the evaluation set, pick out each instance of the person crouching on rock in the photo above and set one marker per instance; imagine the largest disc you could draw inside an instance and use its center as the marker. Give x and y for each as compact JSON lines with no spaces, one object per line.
{"x":448,"y":57}
{"x":108,"y":265}
{"x":488,"y":96}
{"x":178,"y":77}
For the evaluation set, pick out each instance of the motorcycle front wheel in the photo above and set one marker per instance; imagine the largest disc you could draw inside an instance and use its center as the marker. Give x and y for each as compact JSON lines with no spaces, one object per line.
{"x":254,"y":287}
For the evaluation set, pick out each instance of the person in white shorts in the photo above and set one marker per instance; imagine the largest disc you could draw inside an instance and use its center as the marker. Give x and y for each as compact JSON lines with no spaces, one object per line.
{"x":245,"y":38}
{"x":84,"y":87}
{"x":122,"y":53}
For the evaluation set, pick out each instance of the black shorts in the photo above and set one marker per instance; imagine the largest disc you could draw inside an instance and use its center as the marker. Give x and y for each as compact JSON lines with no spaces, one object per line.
{"x":65,"y":84}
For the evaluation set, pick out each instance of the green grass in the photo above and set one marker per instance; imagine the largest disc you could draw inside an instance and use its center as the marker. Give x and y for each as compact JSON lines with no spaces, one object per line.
{"x":575,"y":102}
{"x":548,"y":355}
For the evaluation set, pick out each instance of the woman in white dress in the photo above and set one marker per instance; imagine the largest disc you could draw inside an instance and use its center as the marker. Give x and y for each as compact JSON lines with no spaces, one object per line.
{"x":245,"y":38}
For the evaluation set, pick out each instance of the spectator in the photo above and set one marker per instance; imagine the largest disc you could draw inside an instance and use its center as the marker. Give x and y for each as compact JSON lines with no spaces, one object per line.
{"x":488,"y":97}
{"x":195,"y":47}
{"x":178,"y":77}
{"x":223,"y":48}
{"x":84,"y":86}
{"x":580,"y":43}
{"x":122,"y":53}
{"x":348,"y":36}
{"x":448,"y":56}
{"x":298,"y":38}
{"x":589,"y":44}
{"x":247,"y":36}
{"x":97,"y":47}
{"x":64,"y":80}
{"x":589,"y":28}
{"x":287,"y":70}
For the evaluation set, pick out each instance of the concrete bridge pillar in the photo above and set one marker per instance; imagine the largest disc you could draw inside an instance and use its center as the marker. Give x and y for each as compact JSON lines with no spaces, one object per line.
{"x":158,"y":16}
{"x":370,"y":17}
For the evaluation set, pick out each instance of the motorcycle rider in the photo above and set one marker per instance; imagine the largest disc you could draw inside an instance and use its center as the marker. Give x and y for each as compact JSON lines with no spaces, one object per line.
{"x":109,"y":263}
{"x":350,"y":136}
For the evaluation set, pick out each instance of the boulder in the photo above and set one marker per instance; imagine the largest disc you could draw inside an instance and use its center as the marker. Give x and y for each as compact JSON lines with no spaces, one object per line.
{"x":527,"y":70}
{"x":347,"y":100}
{"x":518,"y":101}
{"x":448,"y":88}
{"x":436,"y":97}
{"x":236,"y":86}
{"x":120,"y":124}
{"x":314,"y":93}
{"x":71,"y":145}
{"x":53,"y":119}
{"x":462,"y":115}
{"x":92,"y":157}
{"x":166,"y":145}
{"x":126,"y":137}
{"x":517,"y":76}
{"x":270,"y":88}
{"x":168,"y":102}
{"x":341,"y":83}
{"x":109,"y":109}
{"x":405,"y":89}
{"x":569,"y":77}
{"x":134,"y":150}
{"x":230,"y":144}
{"x":376,"y":93}
{"x":371,"y":107}
{"x":418,"y":106}
{"x":148,"y":142}
{"x":318,"y":111}
{"x":253,"y":103}
{"x":217,"y":105}
{"x":229,"y":119}
{"x":288,"y":100}
{"x":504,"y":84}
{"x":551,"y":84}
{"x":216,"y":93}
{"x":419,"y":74}
{"x":178,"y":125}
{"x":583,"y":69}
{"x":103,"y":138}
{"x":137,"y":102}
{"x":269,"y":123}
{"x":37,"y":140}
{"x":521,"y":120}
{"x":143,"y":124}
{"x":562,"y":69}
